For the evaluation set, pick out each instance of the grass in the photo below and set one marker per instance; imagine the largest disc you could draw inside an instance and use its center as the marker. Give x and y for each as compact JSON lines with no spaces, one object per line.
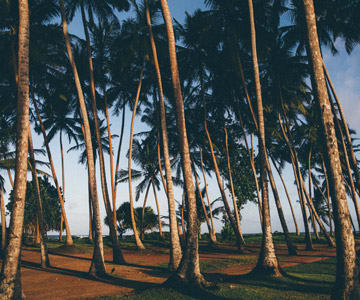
{"x":301,"y":282}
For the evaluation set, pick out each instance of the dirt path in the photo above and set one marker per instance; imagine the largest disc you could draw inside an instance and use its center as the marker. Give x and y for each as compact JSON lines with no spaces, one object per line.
{"x":68,"y":278}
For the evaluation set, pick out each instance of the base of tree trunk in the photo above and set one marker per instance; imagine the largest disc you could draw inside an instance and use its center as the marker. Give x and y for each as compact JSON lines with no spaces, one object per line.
{"x":266,"y":270}
{"x":292,"y":250}
{"x":194,"y":283}
{"x":355,"y":293}
{"x":118,"y":258}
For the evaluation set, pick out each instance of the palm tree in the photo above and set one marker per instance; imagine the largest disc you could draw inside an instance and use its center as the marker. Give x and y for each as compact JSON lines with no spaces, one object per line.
{"x":267,"y":261}
{"x":344,"y":238}
{"x":189,"y":269}
{"x":10,"y":285}
{"x":98,"y":263}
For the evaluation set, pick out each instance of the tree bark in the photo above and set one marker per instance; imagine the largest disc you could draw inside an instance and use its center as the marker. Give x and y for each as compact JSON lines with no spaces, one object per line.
{"x":344,"y":238}
{"x":63,"y":183}
{"x":158,"y":209}
{"x":10,"y":285}
{"x":138,"y":242}
{"x":69,"y":240}
{"x":98,"y":262}
{"x":175,"y":247}
{"x":3,"y":221}
{"x":208,"y":199}
{"x":310,"y":188}
{"x":143,"y":212}
{"x":237,"y":217}
{"x":45,"y":262}
{"x":267,"y":263}
{"x":189,"y":268}
{"x":118,"y":258}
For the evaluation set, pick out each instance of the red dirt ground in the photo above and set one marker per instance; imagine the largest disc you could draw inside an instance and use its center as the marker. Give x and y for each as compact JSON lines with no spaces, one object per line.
{"x":67,"y":278}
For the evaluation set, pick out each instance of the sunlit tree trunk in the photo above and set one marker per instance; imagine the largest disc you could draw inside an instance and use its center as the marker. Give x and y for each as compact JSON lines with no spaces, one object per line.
{"x":158,"y":209}
{"x":189,"y":269}
{"x":10,"y":285}
{"x":139,"y":244}
{"x":175,"y":247}
{"x":98,"y":262}
{"x":63,"y":183}
{"x":345,"y":243}
{"x":143,"y":212}
{"x":267,"y":262}
{"x":3,"y":221}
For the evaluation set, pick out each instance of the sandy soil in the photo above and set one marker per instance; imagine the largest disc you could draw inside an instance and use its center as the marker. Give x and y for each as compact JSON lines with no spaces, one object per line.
{"x":67,"y":278}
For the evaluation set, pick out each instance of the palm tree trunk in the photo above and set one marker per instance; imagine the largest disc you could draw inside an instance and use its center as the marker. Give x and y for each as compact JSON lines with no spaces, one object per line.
{"x":119,"y":149}
{"x":98,"y":262}
{"x":237,"y":217}
{"x":143,"y":212}
{"x":117,"y":254}
{"x":182,"y":214}
{"x":288,"y":197}
{"x":10,"y":178}
{"x":69,"y":240}
{"x":344,"y":238}
{"x":112,"y":178}
{"x":63,"y":183}
{"x":139,"y":244}
{"x":203,"y":206}
{"x":346,"y":127}
{"x":45,"y":262}
{"x":189,"y":268}
{"x":267,"y":262}
{"x":294,"y":164}
{"x":347,"y":163}
{"x":90,"y":215}
{"x":212,"y":235}
{"x":159,"y":164}
{"x":10,"y":285}
{"x":328,"y":195}
{"x":310,"y":189}
{"x":3,"y":221}
{"x":158,"y":209}
{"x":239,"y":240}
{"x":175,"y":247}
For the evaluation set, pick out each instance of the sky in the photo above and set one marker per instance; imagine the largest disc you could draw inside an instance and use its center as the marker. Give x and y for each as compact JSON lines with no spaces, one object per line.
{"x":345,"y":73}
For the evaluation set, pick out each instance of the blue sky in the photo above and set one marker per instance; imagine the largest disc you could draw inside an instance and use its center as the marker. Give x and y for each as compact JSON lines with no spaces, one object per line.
{"x":344,"y":71}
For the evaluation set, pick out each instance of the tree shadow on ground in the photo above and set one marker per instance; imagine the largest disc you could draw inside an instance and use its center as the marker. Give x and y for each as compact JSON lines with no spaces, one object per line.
{"x":108,"y":279}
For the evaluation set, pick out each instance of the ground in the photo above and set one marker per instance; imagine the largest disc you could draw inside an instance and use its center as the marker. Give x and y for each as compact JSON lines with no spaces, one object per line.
{"x":67,"y":277}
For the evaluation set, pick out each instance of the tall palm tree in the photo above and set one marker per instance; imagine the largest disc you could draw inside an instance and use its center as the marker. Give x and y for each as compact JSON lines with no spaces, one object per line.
{"x":267,"y":261}
{"x":98,"y":262}
{"x":344,"y":238}
{"x":10,"y":285}
{"x":189,"y":269}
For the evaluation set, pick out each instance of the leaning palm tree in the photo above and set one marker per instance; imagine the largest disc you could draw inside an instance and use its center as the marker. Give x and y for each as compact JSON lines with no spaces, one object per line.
{"x":10,"y":285}
{"x":98,"y":263}
{"x":189,"y":269}
{"x":344,"y":238}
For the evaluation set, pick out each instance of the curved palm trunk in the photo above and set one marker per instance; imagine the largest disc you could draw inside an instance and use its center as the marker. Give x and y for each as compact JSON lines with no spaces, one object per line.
{"x":119,"y":150}
{"x":40,"y":226}
{"x":296,"y":168}
{"x":117,"y":254}
{"x":310,"y":190}
{"x":3,"y":221}
{"x":203,"y":207}
{"x":10,"y":178}
{"x":189,"y":268}
{"x":347,"y":133}
{"x":182,"y":214}
{"x":159,"y":164}
{"x":344,"y":238}
{"x":267,"y":262}
{"x":139,"y":244}
{"x":112,"y":178}
{"x":239,"y":240}
{"x":63,"y":182}
{"x":237,"y":217}
{"x":175,"y":248}
{"x":98,"y":262}
{"x":208,"y":198}
{"x":328,"y":195}
{"x":90,"y":214}
{"x":158,"y":209}
{"x":143,"y":212}
{"x":288,"y":197}
{"x":69,"y":240}
{"x":10,"y":285}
